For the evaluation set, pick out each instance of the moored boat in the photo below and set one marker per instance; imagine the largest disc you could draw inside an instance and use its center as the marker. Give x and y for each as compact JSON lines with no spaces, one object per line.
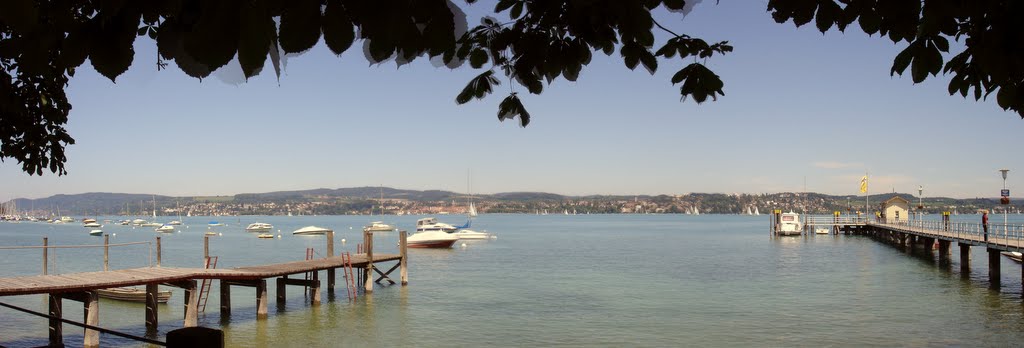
{"x":259,"y":227}
{"x":431,"y":239}
{"x":265,"y":235}
{"x":378,"y":226}
{"x":431,"y":224}
{"x":132,"y":294}
{"x":92,"y":224}
{"x":470,"y":234}
{"x":789,"y":224}
{"x":311,"y":230}
{"x":96,"y":233}
{"x":1015,"y":255}
{"x":165,"y":229}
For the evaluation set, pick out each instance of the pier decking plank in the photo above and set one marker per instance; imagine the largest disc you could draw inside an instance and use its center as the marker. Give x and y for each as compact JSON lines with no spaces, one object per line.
{"x":42,"y":284}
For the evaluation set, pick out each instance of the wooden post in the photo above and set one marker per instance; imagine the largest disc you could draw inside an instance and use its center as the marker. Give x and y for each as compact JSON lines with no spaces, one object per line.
{"x":45,"y":256}
{"x":191,"y":304}
{"x":158,"y":251}
{"x":151,"y":303}
{"x":944,"y":249}
{"x":92,"y":317}
{"x":330,"y":253}
{"x":368,"y":271}
{"x":281,"y":286}
{"x":403,"y":249}
{"x":994,"y":273}
{"x":56,"y":326}
{"x":106,"y":252}
{"x":206,"y":248}
{"x":315,"y":288}
{"x":225,"y":299}
{"x":261,"y":299}
{"x":965,"y":259}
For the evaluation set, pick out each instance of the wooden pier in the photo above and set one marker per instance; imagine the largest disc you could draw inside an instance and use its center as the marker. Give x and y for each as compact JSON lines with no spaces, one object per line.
{"x":939,"y":235}
{"x":82,"y":287}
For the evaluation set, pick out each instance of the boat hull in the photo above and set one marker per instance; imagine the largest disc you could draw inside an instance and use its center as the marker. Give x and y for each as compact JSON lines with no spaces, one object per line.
{"x":132,"y":295}
{"x":432,"y":243}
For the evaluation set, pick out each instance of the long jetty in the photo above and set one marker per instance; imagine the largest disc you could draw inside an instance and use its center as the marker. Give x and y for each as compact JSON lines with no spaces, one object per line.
{"x":83,"y":287}
{"x":905,"y":234}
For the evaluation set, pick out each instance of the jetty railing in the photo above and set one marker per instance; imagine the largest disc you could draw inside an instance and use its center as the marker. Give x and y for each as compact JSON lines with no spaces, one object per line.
{"x":47,"y":256}
{"x":834,"y":220}
{"x":1010,"y":235}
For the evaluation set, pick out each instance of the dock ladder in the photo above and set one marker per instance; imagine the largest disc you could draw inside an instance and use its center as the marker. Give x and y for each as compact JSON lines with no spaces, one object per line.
{"x":204,"y":290}
{"x":350,"y":282}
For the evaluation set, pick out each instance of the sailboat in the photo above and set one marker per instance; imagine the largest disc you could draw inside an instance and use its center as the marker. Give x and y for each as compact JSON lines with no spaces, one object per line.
{"x":748,"y":211}
{"x":755,"y":211}
{"x":379,"y":226}
{"x":178,"y":221}
{"x":696,"y":211}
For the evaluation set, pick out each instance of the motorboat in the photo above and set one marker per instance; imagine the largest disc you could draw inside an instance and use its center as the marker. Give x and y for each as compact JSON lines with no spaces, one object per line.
{"x":210,"y":233}
{"x":821,"y":230}
{"x":311,"y":230}
{"x":92,"y":224}
{"x":789,"y":224}
{"x":139,"y":222}
{"x":378,"y":226}
{"x":152,"y":224}
{"x":259,"y":227}
{"x":214,"y":224}
{"x":165,"y":229}
{"x":265,"y":235}
{"x":67,"y":219}
{"x":174,"y":223}
{"x":132,"y":294}
{"x":471,"y":234}
{"x":431,"y":224}
{"x":96,"y":233}
{"x":1015,"y":255}
{"x":88,"y":220}
{"x":431,"y":239}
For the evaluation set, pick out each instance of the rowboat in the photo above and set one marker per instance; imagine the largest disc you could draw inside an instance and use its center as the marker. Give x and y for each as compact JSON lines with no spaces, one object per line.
{"x":132,"y":294}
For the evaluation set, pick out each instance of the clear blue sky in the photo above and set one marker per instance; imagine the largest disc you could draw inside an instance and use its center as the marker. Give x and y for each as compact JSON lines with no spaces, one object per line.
{"x":799,"y":107}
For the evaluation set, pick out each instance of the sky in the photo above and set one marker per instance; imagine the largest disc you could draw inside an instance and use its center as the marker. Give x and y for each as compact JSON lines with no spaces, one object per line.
{"x":802,"y":111}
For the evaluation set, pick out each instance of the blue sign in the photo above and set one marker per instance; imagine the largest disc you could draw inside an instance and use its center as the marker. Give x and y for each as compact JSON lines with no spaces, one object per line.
{"x":1005,"y":193}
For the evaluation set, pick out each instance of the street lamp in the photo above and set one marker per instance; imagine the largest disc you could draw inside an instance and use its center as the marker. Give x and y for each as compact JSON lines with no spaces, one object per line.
{"x":920,"y":204}
{"x":1005,"y":199}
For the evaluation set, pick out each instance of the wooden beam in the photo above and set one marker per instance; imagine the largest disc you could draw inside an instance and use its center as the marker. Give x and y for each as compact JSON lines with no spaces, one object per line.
{"x":151,"y":306}
{"x":369,"y":263}
{"x":225,"y":299}
{"x":384,"y":275}
{"x":403,"y":247}
{"x":192,"y":305}
{"x":261,"y":299}
{"x":56,"y":326}
{"x":92,"y":317}
{"x":994,"y":272}
{"x":281,"y":290}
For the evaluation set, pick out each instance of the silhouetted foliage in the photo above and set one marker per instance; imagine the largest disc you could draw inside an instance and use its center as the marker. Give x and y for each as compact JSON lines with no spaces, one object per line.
{"x":42,"y":42}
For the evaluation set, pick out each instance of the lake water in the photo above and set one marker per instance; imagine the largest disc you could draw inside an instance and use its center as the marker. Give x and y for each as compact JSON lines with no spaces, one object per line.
{"x":557,"y":280}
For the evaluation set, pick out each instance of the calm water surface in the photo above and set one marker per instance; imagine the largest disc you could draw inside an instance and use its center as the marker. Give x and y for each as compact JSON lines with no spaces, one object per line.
{"x":556,"y":280}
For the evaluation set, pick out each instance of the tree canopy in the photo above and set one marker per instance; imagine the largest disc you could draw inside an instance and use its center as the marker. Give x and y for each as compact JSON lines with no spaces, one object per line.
{"x":534,"y":43}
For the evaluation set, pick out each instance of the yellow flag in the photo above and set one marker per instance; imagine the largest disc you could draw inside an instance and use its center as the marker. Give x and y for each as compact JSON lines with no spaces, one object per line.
{"x":864,"y":184}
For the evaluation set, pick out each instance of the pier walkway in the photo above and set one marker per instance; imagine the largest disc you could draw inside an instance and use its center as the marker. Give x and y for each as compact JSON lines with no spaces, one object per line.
{"x":197,"y":282}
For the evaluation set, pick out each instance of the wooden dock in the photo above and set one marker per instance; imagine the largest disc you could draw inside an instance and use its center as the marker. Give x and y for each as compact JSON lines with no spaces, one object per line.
{"x":82,"y":287}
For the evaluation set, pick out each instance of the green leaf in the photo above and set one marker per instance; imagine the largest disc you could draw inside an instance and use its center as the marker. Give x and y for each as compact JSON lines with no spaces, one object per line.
{"x":511,"y":107}
{"x":254,"y":38}
{"x":479,"y":87}
{"x":517,"y":10}
{"x":337,"y":28}
{"x":649,"y":62}
{"x":699,"y":83}
{"x":300,"y":25}
{"x":477,"y":58}
{"x":902,"y":60}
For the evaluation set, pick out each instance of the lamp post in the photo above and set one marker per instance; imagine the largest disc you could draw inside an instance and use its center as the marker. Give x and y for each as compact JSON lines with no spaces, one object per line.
{"x":1005,"y":199}
{"x":920,"y":204}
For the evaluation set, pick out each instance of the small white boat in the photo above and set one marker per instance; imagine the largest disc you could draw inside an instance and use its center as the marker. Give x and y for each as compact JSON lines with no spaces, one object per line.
{"x":96,"y":233}
{"x":821,"y":230}
{"x":174,"y":223}
{"x":431,"y":224}
{"x":214,"y":223}
{"x":378,"y":226}
{"x":311,"y":230}
{"x":132,"y":294}
{"x":431,"y":239}
{"x":259,"y":227}
{"x":470,"y":234}
{"x":88,"y":220}
{"x":211,"y":233}
{"x":1015,"y":255}
{"x":92,"y":224}
{"x":265,"y":235}
{"x":139,"y":222}
{"x":165,"y":229}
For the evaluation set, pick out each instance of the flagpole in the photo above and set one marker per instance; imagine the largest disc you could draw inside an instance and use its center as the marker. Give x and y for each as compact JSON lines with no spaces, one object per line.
{"x":867,"y":209}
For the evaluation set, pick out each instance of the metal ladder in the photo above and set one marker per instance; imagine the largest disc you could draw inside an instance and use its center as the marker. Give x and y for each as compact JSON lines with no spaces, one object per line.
{"x":350,"y":282}
{"x":204,"y":290}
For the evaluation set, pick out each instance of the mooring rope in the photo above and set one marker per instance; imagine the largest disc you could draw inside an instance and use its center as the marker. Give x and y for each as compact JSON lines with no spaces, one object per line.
{"x":68,"y":246}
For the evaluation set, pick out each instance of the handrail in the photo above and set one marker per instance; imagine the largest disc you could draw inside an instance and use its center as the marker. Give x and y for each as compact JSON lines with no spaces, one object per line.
{"x":68,"y":246}
{"x":87,"y":326}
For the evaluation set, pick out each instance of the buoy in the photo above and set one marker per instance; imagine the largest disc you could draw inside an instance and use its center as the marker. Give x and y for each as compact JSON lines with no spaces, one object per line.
{"x":343,"y":241}
{"x":113,"y":234}
{"x":350,"y":227}
{"x":220,"y":234}
{"x":463,"y":244}
{"x":279,"y":236}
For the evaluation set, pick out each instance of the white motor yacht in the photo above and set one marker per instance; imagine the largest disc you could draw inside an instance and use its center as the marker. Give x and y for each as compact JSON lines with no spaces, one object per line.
{"x":431,"y":239}
{"x":165,"y":229}
{"x":92,"y":224}
{"x":259,"y":227}
{"x":378,"y":226}
{"x":431,"y":224}
{"x":311,"y":230}
{"x":789,"y":224}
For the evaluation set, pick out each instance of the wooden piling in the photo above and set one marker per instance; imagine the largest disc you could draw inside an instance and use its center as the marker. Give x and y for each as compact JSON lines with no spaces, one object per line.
{"x":92,"y":317}
{"x":330,"y":253}
{"x":403,"y":251}
{"x":281,"y":289}
{"x":944,"y":249}
{"x":158,"y":251}
{"x":965,"y":259}
{"x":151,"y":304}
{"x":994,"y":273}
{"x":368,"y":271}
{"x":45,"y":256}
{"x":225,"y":299}
{"x":56,"y":326}
{"x":206,"y":248}
{"x":106,"y":252}
{"x":191,"y":304}
{"x":261,"y":299}
{"x":314,"y":288}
